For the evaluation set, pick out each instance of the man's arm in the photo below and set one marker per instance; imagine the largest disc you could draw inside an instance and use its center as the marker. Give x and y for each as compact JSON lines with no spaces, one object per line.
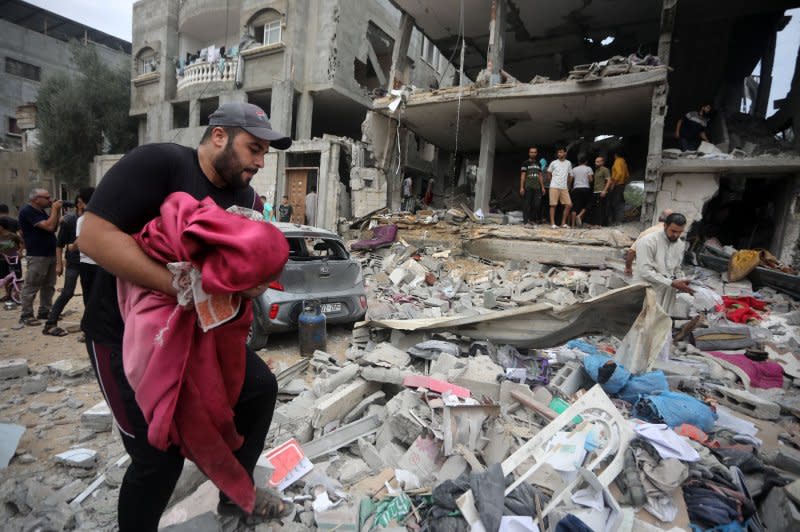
{"x":629,"y":256}
{"x":678,"y":128}
{"x":522,"y":183}
{"x":51,"y":224}
{"x":117,"y":252}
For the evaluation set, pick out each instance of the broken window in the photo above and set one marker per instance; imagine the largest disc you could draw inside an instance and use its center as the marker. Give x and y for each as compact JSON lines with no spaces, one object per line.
{"x":180,"y":115}
{"x":207,"y":106}
{"x":146,"y":61}
{"x":266,"y":26}
{"x":373,"y":72}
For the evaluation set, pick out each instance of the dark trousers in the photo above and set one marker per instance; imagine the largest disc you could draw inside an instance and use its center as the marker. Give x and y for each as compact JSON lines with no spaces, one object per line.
{"x":531,"y":204}
{"x":544,"y":210}
{"x":87,"y":273}
{"x":71,"y":275}
{"x":616,"y":205}
{"x":152,"y":474}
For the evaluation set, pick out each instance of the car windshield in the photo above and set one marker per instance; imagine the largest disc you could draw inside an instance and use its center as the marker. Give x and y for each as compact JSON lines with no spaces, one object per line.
{"x":307,"y":249}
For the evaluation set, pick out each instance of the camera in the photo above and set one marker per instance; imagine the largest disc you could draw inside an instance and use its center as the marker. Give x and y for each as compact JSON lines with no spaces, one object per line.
{"x":67,"y":204}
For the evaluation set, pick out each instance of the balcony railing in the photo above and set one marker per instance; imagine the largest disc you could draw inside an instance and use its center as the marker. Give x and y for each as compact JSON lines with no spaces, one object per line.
{"x":205,"y":72}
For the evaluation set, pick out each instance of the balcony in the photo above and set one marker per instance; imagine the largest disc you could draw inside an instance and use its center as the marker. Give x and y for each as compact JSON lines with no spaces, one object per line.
{"x":205,"y":72}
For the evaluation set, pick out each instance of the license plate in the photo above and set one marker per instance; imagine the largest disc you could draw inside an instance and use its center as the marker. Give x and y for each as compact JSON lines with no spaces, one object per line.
{"x":327,"y":308}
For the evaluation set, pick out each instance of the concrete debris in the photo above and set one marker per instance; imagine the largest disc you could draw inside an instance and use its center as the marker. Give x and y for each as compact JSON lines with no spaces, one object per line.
{"x":98,"y":418}
{"x":13,"y":368}
{"x":83,"y":458}
{"x":70,"y":368}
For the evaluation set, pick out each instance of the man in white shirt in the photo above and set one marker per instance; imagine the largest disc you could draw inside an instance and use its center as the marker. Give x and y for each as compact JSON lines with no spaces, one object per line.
{"x":311,"y":207}
{"x":659,"y":256}
{"x":87,"y":267}
{"x":561,"y":178}
{"x":583,"y":176}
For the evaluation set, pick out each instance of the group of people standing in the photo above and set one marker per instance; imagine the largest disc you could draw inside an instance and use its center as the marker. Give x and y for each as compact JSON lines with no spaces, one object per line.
{"x":50,"y":241}
{"x":579,"y":189}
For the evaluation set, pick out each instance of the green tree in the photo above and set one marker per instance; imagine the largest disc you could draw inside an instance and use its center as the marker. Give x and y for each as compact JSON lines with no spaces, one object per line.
{"x":77,"y":114}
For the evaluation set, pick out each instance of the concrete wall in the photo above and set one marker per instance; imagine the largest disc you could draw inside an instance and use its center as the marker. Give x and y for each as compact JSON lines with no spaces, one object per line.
{"x":51,"y":55}
{"x":100,"y":165}
{"x":686,"y":193}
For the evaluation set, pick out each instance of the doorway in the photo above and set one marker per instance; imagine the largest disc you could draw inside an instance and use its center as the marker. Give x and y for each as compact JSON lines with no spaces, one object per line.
{"x":299,"y":182}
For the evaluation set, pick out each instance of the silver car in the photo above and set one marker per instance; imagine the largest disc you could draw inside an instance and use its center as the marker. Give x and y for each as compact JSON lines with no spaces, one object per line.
{"x":320,"y":268}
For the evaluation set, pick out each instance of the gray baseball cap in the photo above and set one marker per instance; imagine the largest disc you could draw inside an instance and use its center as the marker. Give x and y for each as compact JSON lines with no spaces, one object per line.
{"x":252,"y":119}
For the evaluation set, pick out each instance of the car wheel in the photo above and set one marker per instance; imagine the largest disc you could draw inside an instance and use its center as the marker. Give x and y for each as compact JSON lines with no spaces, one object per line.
{"x":256,"y":339}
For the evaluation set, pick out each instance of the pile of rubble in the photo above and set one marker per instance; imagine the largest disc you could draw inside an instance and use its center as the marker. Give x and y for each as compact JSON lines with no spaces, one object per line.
{"x":439,"y":424}
{"x":497,"y":395}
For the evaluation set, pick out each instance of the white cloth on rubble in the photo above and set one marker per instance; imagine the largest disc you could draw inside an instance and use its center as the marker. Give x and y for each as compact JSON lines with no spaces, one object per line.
{"x":666,"y":441}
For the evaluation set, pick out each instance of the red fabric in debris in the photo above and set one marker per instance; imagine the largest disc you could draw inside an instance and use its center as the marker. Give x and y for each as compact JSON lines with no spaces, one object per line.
{"x":741,"y":309}
{"x":187,"y":381}
{"x":764,"y":374}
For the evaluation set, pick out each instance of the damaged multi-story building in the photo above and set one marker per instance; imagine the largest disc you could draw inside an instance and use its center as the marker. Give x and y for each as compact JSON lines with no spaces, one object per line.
{"x":313,"y":66}
{"x":457,"y":90}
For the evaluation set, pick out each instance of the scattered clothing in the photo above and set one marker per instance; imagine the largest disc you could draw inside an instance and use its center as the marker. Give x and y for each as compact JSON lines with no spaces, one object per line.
{"x":382,"y":236}
{"x":764,"y":374}
{"x":666,"y":441}
{"x":675,"y":409}
{"x":741,"y":309}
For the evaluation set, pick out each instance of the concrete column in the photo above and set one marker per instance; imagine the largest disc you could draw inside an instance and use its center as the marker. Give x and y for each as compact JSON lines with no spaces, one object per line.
{"x":765,"y":77}
{"x":280,"y":117}
{"x":400,"y":51}
{"x":652,"y":176}
{"x":305,"y":112}
{"x":668,"y":11}
{"x":194,"y":113}
{"x":327,"y":195}
{"x":280,"y":114}
{"x":483,"y":185}
{"x":495,"y":54}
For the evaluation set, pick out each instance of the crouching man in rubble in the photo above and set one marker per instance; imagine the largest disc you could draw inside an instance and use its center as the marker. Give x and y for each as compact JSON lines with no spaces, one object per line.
{"x":658,"y":261}
{"x":131,"y":200}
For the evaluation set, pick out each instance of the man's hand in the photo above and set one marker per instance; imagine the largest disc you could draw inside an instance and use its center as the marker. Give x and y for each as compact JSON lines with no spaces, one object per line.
{"x":521,"y":191}
{"x":255,"y":291}
{"x":602,"y":193}
{"x":682,"y":285}
{"x":628,"y":272}
{"x":59,"y":269}
{"x":56,"y":206}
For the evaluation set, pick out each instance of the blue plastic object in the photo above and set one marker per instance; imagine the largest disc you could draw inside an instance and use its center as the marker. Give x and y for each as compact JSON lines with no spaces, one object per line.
{"x":618,"y":379}
{"x":674,"y":409}
{"x":311,"y":328}
{"x":584,"y":346}
{"x":645,"y":384}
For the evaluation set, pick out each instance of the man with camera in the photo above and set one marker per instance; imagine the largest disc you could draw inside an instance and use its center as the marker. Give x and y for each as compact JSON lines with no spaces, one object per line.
{"x":39,"y":232}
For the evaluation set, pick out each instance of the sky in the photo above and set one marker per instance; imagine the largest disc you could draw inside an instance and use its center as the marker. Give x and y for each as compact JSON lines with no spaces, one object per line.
{"x":114,"y":17}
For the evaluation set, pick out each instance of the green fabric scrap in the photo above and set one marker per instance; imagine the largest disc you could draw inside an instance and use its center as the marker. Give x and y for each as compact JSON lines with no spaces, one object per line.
{"x":392,"y":509}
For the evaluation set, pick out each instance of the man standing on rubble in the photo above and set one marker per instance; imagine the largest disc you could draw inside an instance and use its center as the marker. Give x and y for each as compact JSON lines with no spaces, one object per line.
{"x":560,"y":171}
{"x":531,"y":186}
{"x":620,"y":175}
{"x":630,"y":255}
{"x":658,"y":261}
{"x":691,"y":130}
{"x":130,"y":195}
{"x":602,"y":182}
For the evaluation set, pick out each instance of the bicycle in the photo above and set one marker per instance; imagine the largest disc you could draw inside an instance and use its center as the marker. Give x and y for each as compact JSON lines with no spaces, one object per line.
{"x":12,"y":282}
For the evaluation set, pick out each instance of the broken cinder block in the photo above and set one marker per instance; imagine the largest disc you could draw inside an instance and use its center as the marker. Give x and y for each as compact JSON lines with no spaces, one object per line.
{"x":338,"y":403}
{"x":97,"y":418}
{"x":746,"y":403}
